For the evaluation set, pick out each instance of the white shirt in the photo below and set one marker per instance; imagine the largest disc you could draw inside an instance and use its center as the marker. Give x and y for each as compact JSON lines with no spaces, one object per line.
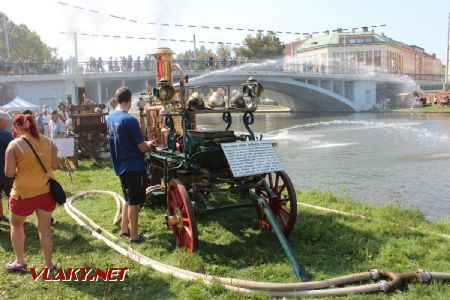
{"x":46,"y":120}
{"x":55,"y":128}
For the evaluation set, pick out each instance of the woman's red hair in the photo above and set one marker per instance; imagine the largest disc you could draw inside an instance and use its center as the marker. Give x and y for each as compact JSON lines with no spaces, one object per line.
{"x":28,"y":123}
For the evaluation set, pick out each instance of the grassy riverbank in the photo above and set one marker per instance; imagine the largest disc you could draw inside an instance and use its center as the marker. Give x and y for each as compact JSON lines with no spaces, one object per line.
{"x":232,"y":244}
{"x":427,"y":109}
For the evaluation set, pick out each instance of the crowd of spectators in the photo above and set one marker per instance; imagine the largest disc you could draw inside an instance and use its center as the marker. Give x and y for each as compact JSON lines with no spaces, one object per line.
{"x":31,"y":66}
{"x":50,"y":122}
{"x":438,"y":101}
{"x":35,"y":66}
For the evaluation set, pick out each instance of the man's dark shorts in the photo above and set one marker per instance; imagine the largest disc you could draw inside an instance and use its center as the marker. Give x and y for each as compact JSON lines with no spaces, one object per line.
{"x":6,"y":185}
{"x":133,"y":186}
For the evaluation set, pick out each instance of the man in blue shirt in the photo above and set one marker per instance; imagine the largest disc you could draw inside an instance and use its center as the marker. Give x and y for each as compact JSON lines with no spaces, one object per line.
{"x":5,"y":182}
{"x":40,"y":122}
{"x":127,"y":148}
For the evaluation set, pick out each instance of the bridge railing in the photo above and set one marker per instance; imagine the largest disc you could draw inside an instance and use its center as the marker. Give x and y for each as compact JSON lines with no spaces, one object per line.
{"x":109,"y":66}
{"x":68,"y":67}
{"x":357,"y":70}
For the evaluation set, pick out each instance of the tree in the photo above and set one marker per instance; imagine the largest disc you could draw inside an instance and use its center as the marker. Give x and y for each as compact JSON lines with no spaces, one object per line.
{"x":202,"y":54}
{"x":24,"y":43}
{"x":260,"y":47}
{"x":187,"y":55}
{"x":223,"y":52}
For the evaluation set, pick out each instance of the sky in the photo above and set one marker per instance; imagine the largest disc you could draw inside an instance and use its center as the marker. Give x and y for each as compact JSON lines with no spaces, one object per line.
{"x":422,"y":23}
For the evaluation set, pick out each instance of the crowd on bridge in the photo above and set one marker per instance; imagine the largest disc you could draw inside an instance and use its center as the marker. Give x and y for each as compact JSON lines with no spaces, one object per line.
{"x":147,"y":63}
{"x":31,"y":66}
{"x":34,"y":66}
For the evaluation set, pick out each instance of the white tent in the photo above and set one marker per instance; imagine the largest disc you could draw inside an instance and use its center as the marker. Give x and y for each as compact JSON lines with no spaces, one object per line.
{"x":18,"y":104}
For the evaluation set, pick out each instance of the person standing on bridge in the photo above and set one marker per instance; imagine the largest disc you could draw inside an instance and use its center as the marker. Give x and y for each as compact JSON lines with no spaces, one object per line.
{"x":127,"y":148}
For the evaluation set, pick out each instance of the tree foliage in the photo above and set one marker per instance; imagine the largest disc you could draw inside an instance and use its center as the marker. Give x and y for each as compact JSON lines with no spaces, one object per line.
{"x":256,"y":48}
{"x":260,"y":47}
{"x":202,"y":54}
{"x":23,"y":43}
{"x":223,"y":52}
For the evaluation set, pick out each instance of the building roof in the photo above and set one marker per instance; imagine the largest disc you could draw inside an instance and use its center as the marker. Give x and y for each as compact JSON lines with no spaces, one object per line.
{"x":294,"y":45}
{"x":333,"y":38}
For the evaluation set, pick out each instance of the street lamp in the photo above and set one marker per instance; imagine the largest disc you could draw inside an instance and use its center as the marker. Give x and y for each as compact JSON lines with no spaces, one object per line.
{"x":5,"y":30}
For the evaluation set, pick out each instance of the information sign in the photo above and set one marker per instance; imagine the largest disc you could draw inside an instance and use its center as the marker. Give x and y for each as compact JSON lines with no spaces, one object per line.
{"x":251,"y":158}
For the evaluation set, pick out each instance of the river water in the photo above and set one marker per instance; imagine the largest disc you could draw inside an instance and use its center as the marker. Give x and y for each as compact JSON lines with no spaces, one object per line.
{"x":375,"y":158}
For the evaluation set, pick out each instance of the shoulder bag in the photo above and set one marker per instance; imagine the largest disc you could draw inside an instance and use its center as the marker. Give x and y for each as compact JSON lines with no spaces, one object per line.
{"x":56,"y":189}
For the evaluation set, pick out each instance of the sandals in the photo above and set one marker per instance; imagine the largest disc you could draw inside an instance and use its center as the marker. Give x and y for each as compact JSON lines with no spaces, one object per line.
{"x":15,"y":267}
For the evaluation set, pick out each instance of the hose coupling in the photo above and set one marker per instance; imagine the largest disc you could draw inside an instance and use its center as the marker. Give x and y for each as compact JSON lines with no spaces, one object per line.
{"x":384,"y":286}
{"x":423,"y":275}
{"x":375,"y":274}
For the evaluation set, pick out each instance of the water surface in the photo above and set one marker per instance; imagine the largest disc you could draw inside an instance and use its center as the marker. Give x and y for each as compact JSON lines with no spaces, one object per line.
{"x":375,"y":158}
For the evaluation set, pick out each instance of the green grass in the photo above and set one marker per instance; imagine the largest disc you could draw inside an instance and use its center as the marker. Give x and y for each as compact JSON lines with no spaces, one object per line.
{"x":425,"y":109}
{"x":231,"y":244}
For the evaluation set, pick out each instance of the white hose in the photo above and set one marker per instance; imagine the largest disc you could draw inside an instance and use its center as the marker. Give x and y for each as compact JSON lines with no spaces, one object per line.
{"x":343,"y":213}
{"x":314,"y":288}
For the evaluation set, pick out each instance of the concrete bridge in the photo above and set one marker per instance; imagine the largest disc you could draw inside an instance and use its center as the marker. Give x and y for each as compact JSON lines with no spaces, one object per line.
{"x":301,"y":91}
{"x":317,"y":92}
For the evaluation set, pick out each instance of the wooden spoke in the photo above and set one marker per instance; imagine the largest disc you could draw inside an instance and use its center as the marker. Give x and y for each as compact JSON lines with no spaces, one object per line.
{"x":179,"y":204}
{"x":283,"y":205}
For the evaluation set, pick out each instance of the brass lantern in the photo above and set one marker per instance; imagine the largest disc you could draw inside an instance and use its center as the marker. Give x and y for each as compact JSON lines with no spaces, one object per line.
{"x":164,"y":92}
{"x":253,"y":89}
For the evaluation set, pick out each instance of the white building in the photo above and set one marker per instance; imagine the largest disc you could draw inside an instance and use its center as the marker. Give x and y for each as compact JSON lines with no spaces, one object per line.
{"x":358,"y":52}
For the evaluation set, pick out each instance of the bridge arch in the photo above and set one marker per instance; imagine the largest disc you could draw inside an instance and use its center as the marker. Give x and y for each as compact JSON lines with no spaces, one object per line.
{"x":298,"y":95}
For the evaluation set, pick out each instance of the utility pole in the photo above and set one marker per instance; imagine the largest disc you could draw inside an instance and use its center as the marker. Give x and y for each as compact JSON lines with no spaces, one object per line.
{"x":195,"y":49}
{"x":5,"y":29}
{"x":448,"y":49}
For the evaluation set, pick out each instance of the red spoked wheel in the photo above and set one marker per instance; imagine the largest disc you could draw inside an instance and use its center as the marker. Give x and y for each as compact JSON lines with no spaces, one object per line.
{"x":283,"y":204}
{"x":181,"y":216}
